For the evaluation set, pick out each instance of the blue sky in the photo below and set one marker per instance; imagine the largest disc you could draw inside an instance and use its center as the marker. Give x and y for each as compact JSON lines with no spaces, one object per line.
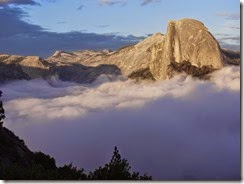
{"x":113,"y":17}
{"x":130,"y":16}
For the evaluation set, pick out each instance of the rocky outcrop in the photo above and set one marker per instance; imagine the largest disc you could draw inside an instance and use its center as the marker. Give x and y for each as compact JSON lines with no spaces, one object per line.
{"x":83,"y":74}
{"x":30,"y":67}
{"x":185,"y":40}
{"x":187,"y":43}
{"x":128,"y":59}
{"x":142,"y":74}
{"x":34,"y":66}
{"x":188,"y":68}
{"x":19,"y":67}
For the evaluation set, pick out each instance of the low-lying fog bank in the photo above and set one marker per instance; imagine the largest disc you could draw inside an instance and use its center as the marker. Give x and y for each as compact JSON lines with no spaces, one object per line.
{"x":172,"y":129}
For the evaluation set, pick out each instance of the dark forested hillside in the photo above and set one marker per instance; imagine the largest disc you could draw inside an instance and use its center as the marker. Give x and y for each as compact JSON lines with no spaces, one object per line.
{"x":17,"y":162}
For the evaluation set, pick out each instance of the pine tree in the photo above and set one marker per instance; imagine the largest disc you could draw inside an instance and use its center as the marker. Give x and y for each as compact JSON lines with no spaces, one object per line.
{"x":117,"y":169}
{"x":2,"y":116}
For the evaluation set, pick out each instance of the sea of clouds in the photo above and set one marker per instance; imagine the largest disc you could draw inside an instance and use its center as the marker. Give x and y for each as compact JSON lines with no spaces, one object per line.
{"x":173,"y":129}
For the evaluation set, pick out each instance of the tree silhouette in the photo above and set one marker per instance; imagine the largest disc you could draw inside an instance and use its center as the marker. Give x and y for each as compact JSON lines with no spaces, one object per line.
{"x":43,"y":167}
{"x":2,"y":116}
{"x":117,"y":169}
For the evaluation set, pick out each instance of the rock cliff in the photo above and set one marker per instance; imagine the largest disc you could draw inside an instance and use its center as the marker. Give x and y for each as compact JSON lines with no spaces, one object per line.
{"x":29,"y":67}
{"x":185,"y":40}
{"x":128,"y":59}
{"x":187,"y":45}
{"x":20,"y":67}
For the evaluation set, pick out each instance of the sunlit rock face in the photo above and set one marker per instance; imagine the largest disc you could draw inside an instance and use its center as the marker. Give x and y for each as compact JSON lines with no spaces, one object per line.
{"x":13,"y":67}
{"x":128,"y":59}
{"x":186,"y":42}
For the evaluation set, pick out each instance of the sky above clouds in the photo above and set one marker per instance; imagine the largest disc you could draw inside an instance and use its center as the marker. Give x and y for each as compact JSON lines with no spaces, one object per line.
{"x":34,"y":25}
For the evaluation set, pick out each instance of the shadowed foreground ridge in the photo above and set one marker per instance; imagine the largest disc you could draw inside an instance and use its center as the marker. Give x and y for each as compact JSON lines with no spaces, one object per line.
{"x":17,"y":162}
{"x":150,"y":59}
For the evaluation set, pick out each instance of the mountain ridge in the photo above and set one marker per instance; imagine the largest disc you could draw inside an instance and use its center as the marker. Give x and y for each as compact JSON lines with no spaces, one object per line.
{"x":186,"y":42}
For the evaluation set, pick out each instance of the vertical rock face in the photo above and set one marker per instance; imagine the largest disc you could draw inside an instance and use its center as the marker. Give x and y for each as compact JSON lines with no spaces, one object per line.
{"x":128,"y":59}
{"x":185,"y":40}
{"x":134,"y":57}
{"x":187,"y":45}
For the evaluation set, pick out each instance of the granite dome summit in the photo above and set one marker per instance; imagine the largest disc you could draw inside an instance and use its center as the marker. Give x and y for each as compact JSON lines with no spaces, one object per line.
{"x":187,"y":46}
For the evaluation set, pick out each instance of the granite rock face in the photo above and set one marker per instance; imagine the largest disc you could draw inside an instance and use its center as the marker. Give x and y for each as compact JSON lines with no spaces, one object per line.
{"x":14,"y":67}
{"x":30,"y":67}
{"x":185,"y":40}
{"x":187,"y":43}
{"x":128,"y":59}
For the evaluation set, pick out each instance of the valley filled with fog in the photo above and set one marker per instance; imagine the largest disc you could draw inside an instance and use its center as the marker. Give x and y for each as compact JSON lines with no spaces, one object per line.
{"x":176,"y":128}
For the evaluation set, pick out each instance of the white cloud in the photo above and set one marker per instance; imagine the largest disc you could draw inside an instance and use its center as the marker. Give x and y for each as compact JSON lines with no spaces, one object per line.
{"x":227,"y":78}
{"x":25,"y":2}
{"x":229,"y":16}
{"x":145,"y":2}
{"x":177,"y":128}
{"x":112,"y":2}
{"x":56,"y":99}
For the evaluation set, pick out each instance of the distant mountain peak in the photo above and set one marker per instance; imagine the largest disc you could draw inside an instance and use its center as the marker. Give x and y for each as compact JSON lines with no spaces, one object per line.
{"x":187,"y":43}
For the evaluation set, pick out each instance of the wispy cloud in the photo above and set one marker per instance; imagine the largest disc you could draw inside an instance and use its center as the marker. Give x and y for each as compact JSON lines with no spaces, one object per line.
{"x":50,"y":1}
{"x":102,"y":26}
{"x":231,"y":26}
{"x":62,"y":22}
{"x":18,"y":2}
{"x":145,"y":2}
{"x":232,"y":38}
{"x":224,"y":36}
{"x":228,"y":41}
{"x":80,"y":7}
{"x":229,"y":16}
{"x":112,"y":2}
{"x":234,"y":27}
